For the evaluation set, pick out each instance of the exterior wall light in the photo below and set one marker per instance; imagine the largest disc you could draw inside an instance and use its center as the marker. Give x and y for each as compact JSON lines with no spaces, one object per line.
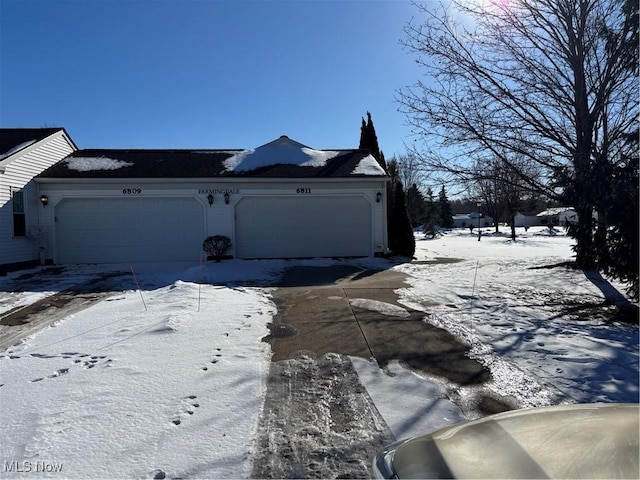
{"x":210,"y":199}
{"x":226,"y":197}
{"x":378,"y":197}
{"x":44,"y":200}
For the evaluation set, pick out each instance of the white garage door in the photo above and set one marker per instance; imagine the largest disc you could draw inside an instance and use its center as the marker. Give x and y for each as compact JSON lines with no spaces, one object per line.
{"x":297,"y":227}
{"x":119,"y":230}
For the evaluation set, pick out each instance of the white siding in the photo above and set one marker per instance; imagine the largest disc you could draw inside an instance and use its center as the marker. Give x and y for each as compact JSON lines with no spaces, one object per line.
{"x":18,"y":174}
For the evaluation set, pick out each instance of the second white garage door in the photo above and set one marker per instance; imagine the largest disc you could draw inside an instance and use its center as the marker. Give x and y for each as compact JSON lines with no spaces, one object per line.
{"x":119,"y":230}
{"x":299,"y":227}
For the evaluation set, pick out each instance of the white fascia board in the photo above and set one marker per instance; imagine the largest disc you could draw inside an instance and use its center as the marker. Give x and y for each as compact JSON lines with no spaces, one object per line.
{"x":230,"y":180}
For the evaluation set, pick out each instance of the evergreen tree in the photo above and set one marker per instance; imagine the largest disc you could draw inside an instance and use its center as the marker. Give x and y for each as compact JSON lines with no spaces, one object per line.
{"x":431,"y":216}
{"x":364,"y":141}
{"x":400,"y":233}
{"x":369,"y":140}
{"x":622,"y":237}
{"x":415,"y":206}
{"x":382,"y":161}
{"x":446,"y":214}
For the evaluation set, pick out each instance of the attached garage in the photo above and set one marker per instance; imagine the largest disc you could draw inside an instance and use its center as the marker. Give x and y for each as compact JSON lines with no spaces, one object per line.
{"x":119,"y":230}
{"x":280,"y":200}
{"x":317,"y":226}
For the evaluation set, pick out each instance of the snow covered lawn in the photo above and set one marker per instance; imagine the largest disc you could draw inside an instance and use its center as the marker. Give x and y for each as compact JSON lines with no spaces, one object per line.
{"x":538,"y":326}
{"x":551,"y":323}
{"x":122,"y":392}
{"x":169,"y":381}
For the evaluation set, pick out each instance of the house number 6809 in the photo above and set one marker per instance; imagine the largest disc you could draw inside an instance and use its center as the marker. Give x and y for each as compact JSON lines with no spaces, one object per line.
{"x":131,"y":191}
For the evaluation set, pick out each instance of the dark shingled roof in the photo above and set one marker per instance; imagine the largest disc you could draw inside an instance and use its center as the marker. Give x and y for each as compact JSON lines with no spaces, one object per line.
{"x":13,"y":137}
{"x":199,"y":164}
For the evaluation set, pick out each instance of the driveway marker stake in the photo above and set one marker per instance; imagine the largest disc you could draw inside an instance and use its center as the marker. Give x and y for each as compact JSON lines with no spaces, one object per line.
{"x":138,"y":287}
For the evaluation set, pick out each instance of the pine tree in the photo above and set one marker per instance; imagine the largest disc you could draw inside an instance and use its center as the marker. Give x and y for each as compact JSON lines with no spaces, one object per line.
{"x":364,"y":142}
{"x":446,"y":214}
{"x":623,"y":242}
{"x":400,"y":233}
{"x":415,"y":206}
{"x":431,"y":216}
{"x":369,"y":140}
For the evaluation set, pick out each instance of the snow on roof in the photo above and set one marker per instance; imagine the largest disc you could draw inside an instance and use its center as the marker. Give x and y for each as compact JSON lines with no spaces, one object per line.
{"x":554,"y":211}
{"x":15,"y":149}
{"x":87,"y":164}
{"x":280,"y":151}
{"x":369,"y":166}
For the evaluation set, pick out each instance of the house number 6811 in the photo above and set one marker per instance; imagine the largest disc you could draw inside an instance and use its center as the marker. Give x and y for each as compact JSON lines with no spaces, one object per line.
{"x":303,"y":190}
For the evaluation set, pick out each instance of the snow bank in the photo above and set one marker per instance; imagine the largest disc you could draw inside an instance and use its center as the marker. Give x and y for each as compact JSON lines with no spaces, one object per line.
{"x":410,"y":404}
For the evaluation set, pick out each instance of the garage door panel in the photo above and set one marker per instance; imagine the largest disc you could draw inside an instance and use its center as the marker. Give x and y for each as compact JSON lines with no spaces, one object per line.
{"x":118,"y":230}
{"x":285,"y":227}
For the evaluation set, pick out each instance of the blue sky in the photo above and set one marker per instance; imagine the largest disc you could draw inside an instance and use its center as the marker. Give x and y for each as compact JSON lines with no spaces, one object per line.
{"x":206,"y":74}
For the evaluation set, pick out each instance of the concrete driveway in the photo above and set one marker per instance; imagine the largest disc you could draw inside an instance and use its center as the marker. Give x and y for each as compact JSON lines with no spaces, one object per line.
{"x":325,"y":316}
{"x":70,"y":297}
{"x":328,"y":309}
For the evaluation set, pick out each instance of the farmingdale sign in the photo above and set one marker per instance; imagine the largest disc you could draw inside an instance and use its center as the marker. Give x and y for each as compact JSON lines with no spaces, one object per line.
{"x":218,"y":191}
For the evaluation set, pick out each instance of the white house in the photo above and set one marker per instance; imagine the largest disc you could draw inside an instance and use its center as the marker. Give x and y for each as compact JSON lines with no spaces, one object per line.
{"x":527,"y":219}
{"x":474,"y":219}
{"x":280,"y":200}
{"x":25,"y":153}
{"x":558,"y":216}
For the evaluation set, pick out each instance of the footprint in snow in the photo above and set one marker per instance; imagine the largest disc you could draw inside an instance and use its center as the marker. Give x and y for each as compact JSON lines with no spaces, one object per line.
{"x":158,"y":474}
{"x":214,"y":360}
{"x":59,"y":372}
{"x":190,"y":404}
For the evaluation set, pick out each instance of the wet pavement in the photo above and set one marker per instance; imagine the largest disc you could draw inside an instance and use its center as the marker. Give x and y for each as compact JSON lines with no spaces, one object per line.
{"x":318,"y":420}
{"x":331,"y":317}
{"x":22,"y":321}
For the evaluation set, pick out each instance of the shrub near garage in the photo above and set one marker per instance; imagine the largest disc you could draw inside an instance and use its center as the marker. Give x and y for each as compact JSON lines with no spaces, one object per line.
{"x":216,"y":247}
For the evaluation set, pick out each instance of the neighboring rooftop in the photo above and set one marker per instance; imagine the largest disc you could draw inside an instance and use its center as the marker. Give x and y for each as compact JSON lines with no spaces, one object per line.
{"x":554,"y":211}
{"x":12,"y":140}
{"x":282,"y":158}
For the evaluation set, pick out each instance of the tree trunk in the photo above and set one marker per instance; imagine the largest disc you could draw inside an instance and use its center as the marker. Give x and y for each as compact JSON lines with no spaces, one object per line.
{"x":585,"y":254}
{"x":513,"y":228}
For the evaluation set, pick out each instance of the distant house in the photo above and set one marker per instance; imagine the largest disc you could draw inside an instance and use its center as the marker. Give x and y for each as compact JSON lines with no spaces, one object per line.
{"x":25,"y":153}
{"x":474,"y":219}
{"x":558,"y":216}
{"x":530,"y":219}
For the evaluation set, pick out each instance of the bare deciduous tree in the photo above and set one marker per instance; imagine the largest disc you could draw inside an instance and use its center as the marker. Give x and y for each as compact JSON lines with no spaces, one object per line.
{"x":550,"y":82}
